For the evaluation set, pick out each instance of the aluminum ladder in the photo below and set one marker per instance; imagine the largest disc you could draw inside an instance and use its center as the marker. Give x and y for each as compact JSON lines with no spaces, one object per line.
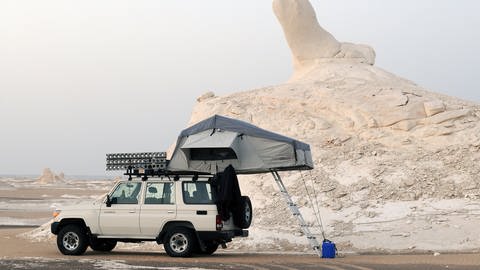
{"x":296,"y":213}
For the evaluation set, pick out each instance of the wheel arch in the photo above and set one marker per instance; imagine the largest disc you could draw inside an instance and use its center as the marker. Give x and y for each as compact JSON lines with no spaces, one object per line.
{"x":72,"y":221}
{"x":172,"y":224}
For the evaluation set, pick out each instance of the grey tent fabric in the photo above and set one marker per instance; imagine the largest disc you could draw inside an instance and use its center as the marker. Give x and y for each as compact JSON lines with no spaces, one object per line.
{"x":214,"y":143}
{"x":225,"y":123}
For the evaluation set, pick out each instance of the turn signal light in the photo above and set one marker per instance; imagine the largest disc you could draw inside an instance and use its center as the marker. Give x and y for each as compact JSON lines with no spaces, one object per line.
{"x":56,"y":213}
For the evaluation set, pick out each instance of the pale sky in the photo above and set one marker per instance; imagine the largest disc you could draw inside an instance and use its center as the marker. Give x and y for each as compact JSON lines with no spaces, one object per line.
{"x":79,"y":79}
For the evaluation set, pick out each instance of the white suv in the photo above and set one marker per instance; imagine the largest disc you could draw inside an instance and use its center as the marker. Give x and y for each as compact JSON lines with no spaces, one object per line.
{"x":181,"y":214}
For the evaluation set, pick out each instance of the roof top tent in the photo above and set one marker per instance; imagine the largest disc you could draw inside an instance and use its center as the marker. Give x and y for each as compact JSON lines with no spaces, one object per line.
{"x":214,"y":143}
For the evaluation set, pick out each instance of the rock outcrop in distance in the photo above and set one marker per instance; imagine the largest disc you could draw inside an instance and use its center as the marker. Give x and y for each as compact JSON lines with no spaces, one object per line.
{"x":377,"y":140}
{"x":49,"y":177}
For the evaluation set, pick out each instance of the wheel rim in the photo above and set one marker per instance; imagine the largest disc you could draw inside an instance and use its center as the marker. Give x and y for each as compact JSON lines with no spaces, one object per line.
{"x":179,"y":242}
{"x":71,"y":241}
{"x":248,"y":212}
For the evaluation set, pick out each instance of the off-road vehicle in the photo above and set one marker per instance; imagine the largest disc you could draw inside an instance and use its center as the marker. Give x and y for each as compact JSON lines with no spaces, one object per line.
{"x":177,"y":211}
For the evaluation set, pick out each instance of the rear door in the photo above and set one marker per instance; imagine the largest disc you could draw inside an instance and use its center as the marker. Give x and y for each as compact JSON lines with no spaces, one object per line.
{"x":198,"y":205}
{"x":159,"y":207}
{"x":122,"y":217}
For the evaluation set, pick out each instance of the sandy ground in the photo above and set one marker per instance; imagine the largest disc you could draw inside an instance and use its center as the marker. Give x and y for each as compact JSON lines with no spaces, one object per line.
{"x":17,"y":248}
{"x":26,"y":205}
{"x":26,"y":202}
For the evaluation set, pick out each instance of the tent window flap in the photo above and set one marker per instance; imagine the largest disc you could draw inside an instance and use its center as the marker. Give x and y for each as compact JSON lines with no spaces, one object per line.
{"x":212,"y":153}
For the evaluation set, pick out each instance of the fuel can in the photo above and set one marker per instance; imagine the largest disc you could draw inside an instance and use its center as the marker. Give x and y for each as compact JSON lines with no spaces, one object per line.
{"x":328,"y":249}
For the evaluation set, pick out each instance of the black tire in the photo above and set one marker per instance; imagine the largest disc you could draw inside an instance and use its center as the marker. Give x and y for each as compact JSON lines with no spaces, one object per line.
{"x":72,"y":240}
{"x":180,"y":242}
{"x":210,"y":248}
{"x":242,"y":217}
{"x":103,"y":245}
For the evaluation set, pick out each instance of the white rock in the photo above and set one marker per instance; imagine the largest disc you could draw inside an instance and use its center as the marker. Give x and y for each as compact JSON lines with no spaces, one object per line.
{"x":206,"y":96}
{"x":329,"y":98}
{"x":364,"y":53}
{"x":49,"y":177}
{"x":434,"y":107}
{"x":405,"y":125}
{"x":409,"y":182}
{"x":304,"y":35}
{"x":309,"y":42}
{"x":447,"y":115}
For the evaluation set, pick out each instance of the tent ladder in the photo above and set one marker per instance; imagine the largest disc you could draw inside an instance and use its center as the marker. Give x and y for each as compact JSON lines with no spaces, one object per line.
{"x":296,"y":213}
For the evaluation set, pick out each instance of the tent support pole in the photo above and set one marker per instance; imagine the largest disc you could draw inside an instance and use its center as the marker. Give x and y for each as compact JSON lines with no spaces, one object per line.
{"x":296,"y":213}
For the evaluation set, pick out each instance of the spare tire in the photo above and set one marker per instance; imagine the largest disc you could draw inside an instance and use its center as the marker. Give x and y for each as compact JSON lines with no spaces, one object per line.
{"x":243,"y":214}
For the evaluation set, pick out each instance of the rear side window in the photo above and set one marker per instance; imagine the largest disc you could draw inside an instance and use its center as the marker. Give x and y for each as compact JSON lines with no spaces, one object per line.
{"x":197,"y":193}
{"x":159,"y":193}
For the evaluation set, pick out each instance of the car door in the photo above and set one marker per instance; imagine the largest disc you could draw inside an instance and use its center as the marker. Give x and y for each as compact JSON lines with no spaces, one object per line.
{"x":158,"y":207}
{"x":121,"y":216}
{"x":198,"y":205}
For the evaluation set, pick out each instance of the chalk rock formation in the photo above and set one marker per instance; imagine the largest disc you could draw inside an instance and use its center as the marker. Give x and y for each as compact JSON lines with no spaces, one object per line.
{"x":378,"y":142}
{"x":310,"y":43}
{"x":49,"y":177}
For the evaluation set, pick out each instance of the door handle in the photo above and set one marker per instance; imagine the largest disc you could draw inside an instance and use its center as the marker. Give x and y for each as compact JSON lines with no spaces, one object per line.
{"x":171,"y":212}
{"x":109,"y":212}
{"x":131,"y":211}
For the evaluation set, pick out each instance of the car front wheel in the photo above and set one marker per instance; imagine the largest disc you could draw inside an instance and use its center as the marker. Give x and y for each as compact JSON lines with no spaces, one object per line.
{"x":72,"y":240}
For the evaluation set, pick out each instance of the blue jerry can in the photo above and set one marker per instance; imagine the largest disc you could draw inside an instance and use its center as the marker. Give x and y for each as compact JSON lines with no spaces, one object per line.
{"x":328,"y":249}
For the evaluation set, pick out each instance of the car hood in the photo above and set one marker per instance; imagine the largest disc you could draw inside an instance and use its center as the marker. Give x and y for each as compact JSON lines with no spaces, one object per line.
{"x":94,"y":204}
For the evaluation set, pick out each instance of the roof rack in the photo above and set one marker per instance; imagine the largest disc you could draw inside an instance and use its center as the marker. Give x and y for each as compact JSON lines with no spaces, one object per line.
{"x":144,"y":165}
{"x":143,"y":160}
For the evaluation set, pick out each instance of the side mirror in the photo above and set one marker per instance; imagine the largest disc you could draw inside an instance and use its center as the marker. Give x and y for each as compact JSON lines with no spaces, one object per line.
{"x":109,"y":201}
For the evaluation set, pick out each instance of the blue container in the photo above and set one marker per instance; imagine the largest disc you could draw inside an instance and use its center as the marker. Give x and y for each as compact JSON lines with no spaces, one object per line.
{"x":328,"y":249}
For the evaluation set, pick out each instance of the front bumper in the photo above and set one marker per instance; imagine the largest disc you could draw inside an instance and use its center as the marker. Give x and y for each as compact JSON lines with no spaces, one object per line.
{"x":54,"y":228}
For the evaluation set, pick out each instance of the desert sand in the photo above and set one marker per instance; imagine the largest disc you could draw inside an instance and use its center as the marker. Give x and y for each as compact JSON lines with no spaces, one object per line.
{"x":25,"y":244}
{"x":20,"y":249}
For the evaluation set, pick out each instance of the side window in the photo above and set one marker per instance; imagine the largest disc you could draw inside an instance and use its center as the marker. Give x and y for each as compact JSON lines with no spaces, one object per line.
{"x":126,"y":193}
{"x":160,"y":193}
{"x":197,"y":193}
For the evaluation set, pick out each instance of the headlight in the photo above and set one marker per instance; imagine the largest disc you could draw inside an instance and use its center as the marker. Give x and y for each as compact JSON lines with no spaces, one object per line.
{"x":56,"y":213}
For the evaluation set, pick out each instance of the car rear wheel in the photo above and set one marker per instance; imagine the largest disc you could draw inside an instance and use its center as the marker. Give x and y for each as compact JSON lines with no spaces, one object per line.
{"x":180,"y":242}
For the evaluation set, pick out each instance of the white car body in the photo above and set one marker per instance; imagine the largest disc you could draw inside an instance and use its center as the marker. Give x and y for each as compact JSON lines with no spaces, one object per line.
{"x":141,"y":213}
